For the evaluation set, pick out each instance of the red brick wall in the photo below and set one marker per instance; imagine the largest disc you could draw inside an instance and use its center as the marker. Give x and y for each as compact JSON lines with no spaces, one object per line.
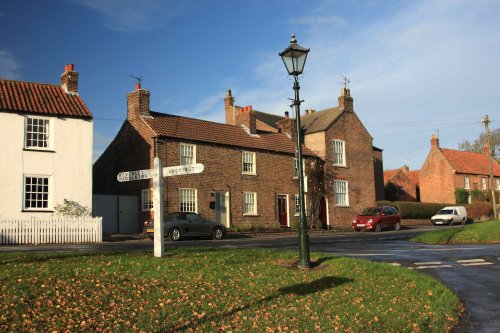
{"x":437,"y":179}
{"x":408,"y":190}
{"x":378,"y":174}
{"x":359,"y":171}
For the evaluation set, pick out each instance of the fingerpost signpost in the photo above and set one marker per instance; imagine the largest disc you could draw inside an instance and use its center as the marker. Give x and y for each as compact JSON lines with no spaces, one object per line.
{"x":157,"y":174}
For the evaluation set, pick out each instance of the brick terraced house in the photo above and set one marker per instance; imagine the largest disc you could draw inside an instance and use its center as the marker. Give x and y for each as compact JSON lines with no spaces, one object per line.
{"x":445,"y":170}
{"x":46,"y":135}
{"x":406,"y":183}
{"x":352,"y":169}
{"x":249,"y":176}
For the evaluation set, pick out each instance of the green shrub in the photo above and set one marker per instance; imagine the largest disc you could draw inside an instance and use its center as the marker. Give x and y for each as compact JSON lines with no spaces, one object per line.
{"x":414,"y":210}
{"x":477,"y":196}
{"x":318,"y":224}
{"x":461,"y":196}
{"x":385,"y":203}
{"x":294,"y":224}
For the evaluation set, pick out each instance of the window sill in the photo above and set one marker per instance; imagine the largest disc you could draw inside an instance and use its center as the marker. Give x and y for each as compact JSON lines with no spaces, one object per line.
{"x":40,"y":150}
{"x":251,"y":215}
{"x":340,"y":166}
{"x":248,"y":174}
{"x":36,"y":211}
{"x":342,"y":206}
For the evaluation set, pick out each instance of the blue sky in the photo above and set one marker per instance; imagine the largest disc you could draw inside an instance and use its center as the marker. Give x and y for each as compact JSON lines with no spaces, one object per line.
{"x":417,"y":67}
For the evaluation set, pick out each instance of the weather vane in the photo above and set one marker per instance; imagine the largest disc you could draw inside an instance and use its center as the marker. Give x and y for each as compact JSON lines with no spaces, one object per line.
{"x":345,"y":81}
{"x":138,"y":78}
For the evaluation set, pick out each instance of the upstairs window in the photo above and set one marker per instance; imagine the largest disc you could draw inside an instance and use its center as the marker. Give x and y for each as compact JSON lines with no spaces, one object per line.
{"x":188,"y":154}
{"x":483,"y":183}
{"x":36,"y":193}
{"x":466,"y":183}
{"x":187,"y":200}
{"x":248,"y":163}
{"x":341,"y":188}
{"x":147,"y":200}
{"x":339,"y":153}
{"x":497,"y":181}
{"x":37,"y":133}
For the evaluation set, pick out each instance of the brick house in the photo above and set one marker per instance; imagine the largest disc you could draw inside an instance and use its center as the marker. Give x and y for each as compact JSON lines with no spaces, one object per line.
{"x":249,"y":176}
{"x":445,"y":170}
{"x":406,"y":182}
{"x":46,"y":135}
{"x":352,"y":173}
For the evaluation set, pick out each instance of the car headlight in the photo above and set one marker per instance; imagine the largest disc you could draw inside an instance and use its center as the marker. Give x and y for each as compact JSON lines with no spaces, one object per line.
{"x":370,"y":220}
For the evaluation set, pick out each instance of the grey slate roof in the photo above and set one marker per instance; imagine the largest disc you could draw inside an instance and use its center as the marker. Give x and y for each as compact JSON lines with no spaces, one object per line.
{"x":320,"y":120}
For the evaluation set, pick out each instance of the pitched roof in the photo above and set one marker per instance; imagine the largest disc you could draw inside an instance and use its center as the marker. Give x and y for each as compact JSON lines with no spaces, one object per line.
{"x":470,"y":162}
{"x":320,"y":120}
{"x":388,"y":174}
{"x":414,"y":176}
{"x":39,"y":98}
{"x":268,"y":118}
{"x":167,"y":125}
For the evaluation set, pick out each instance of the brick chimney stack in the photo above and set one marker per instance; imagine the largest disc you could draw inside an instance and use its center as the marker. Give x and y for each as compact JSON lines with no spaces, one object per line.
{"x":287,"y":125}
{"x":434,"y":141}
{"x":229,"y":108}
{"x":69,"y":79}
{"x":246,"y":116}
{"x":345,"y":99}
{"x":138,"y":103}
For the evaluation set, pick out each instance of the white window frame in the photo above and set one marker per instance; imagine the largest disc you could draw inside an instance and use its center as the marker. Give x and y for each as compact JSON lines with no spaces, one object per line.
{"x":244,"y":159}
{"x":35,"y":193}
{"x":497,"y":182}
{"x":483,"y":183}
{"x":250,"y":206}
{"x":147,"y":200}
{"x":46,"y":134}
{"x":466,"y":183}
{"x":296,"y":168}
{"x":339,"y":157}
{"x":341,"y":198}
{"x":184,"y":149}
{"x":188,"y":200}
{"x":297,"y":204}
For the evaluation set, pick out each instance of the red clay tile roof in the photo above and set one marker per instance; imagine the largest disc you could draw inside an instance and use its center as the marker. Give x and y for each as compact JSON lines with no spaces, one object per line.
{"x":388,"y":174}
{"x":414,"y":176}
{"x":167,"y":125}
{"x":469,"y":162}
{"x":41,"y":99}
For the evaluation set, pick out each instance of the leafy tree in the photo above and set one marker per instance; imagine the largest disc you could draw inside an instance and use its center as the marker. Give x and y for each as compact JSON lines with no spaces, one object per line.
{"x":478,"y":144}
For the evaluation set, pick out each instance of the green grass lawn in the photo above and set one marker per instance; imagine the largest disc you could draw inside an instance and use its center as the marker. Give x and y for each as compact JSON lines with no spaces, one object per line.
{"x":482,"y":232}
{"x":209,"y":290}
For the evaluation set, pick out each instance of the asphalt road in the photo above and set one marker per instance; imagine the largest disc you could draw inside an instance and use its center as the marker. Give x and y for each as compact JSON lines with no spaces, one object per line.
{"x":472,"y":271}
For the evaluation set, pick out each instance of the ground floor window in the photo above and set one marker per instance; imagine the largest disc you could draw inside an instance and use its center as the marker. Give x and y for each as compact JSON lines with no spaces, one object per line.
{"x":36,"y":193}
{"x":249,"y":203}
{"x":147,"y":200}
{"x":187,"y":200}
{"x":341,"y":188}
{"x":297,"y":204}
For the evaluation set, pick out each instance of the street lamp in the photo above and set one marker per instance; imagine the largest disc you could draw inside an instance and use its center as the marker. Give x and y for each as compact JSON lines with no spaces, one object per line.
{"x":294,"y":57}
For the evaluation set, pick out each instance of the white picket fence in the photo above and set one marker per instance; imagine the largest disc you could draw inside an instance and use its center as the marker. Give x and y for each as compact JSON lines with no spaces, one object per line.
{"x":50,"y":230}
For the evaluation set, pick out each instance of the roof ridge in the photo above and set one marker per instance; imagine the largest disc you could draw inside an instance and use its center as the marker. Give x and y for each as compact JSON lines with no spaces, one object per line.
{"x":31,"y":82}
{"x":161,"y":114}
{"x":463,"y":151}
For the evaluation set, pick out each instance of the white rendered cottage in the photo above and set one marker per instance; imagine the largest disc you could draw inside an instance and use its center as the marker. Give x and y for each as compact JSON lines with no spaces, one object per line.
{"x":46,"y":146}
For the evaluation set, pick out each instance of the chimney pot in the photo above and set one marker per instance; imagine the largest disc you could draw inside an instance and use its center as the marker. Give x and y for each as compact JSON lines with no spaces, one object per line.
{"x":69,"y":82}
{"x":71,"y":67}
{"x":287,"y":115}
{"x":137,"y":86}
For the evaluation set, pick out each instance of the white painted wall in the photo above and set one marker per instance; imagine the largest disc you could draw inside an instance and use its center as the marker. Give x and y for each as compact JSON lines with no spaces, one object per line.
{"x":69,"y":165}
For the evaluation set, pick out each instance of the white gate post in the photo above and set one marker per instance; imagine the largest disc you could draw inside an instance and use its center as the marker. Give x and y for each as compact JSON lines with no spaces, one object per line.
{"x":158,"y":208}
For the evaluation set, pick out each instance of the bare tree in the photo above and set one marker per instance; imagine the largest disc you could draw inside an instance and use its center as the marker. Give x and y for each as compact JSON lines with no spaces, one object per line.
{"x":478,"y":144}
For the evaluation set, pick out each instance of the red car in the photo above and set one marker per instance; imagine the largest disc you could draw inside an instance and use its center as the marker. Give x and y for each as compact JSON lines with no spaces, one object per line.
{"x":377,"y":218}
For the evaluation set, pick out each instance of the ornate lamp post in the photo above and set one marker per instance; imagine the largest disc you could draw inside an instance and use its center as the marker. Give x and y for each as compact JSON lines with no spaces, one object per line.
{"x":294,"y":57}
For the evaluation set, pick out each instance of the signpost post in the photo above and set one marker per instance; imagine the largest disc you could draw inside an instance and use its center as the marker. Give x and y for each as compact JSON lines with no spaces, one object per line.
{"x":157,"y":175}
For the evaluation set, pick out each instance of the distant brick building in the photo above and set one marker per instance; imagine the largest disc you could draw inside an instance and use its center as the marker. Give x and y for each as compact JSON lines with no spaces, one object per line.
{"x":405,"y":182}
{"x":249,"y":176}
{"x":445,"y":170}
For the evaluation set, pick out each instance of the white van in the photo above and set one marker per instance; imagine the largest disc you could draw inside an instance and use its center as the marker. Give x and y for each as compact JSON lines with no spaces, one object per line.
{"x":450,"y":215}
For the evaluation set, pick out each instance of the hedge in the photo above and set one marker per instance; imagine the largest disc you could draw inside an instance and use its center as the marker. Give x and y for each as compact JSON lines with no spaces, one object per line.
{"x":423,"y":210}
{"x":415,"y":210}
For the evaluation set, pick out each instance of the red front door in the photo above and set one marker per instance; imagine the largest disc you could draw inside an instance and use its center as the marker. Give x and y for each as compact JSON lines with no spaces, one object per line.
{"x":282,"y":211}
{"x":323,"y":212}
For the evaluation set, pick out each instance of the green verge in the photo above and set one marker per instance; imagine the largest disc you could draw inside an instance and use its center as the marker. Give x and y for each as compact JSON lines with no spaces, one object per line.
{"x":482,"y":232}
{"x":213,"y":290}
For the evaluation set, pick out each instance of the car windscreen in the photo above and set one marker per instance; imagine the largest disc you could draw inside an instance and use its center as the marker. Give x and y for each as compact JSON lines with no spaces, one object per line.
{"x":445,"y":212}
{"x":370,"y":212}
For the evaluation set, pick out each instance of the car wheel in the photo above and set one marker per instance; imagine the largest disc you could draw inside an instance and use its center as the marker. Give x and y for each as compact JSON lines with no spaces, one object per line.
{"x":397,"y":226}
{"x":217,"y":233}
{"x":174,"y":234}
{"x":378,"y":227}
{"x":463,"y":221}
{"x":357,"y":230}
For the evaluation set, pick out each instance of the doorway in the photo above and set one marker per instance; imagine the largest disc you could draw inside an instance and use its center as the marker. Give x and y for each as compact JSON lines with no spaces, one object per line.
{"x":222,"y":208}
{"x":282,"y":210}
{"x":323,"y":213}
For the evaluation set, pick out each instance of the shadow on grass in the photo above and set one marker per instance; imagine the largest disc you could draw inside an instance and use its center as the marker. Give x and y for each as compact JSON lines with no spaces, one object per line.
{"x":299,"y":289}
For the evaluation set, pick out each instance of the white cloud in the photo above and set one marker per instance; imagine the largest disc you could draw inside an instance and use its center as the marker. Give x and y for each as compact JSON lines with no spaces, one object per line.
{"x":8,"y":65}
{"x":133,"y":15}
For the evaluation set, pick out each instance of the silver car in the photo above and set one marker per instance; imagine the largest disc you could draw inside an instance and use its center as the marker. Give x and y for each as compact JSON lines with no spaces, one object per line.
{"x":181,"y":224}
